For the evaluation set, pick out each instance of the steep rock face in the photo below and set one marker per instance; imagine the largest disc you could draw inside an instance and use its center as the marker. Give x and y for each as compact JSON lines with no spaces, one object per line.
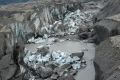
{"x":6,"y":46}
{"x":2,"y":45}
{"x":106,"y":22}
{"x":7,"y":66}
{"x":110,"y":9}
{"x":109,"y":17}
{"x":108,"y":58}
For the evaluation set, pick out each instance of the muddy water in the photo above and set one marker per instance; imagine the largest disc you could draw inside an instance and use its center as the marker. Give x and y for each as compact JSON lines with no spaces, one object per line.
{"x":87,"y":73}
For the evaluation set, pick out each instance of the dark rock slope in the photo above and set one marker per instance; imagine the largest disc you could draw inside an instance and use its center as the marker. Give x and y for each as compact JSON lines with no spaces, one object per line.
{"x":108,"y":58}
{"x":107,"y":20}
{"x":112,"y":8}
{"x":7,"y":65}
{"x":107,"y":27}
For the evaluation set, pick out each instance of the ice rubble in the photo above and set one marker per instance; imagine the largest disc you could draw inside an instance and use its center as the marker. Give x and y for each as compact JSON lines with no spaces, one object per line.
{"x":76,"y":19}
{"x":45,"y":40}
{"x":56,"y":57}
{"x":63,"y":62}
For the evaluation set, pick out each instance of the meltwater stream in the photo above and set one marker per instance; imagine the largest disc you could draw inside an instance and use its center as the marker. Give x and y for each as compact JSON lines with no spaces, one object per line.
{"x":87,"y":73}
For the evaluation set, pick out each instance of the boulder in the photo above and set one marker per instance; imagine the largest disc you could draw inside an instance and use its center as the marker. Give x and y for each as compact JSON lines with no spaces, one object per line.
{"x":51,"y":65}
{"x":84,"y":35}
{"x":65,"y":66}
{"x":43,"y":50}
{"x":106,"y":28}
{"x":44,"y":72}
{"x":73,"y":72}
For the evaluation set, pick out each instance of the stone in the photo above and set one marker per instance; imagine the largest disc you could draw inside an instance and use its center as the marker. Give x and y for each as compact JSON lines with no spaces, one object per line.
{"x":51,"y":65}
{"x":83,"y":61}
{"x":39,"y":79}
{"x":84,"y":35}
{"x":43,"y":50}
{"x":26,"y":76}
{"x":59,"y":71}
{"x":79,"y":54}
{"x":76,"y":66}
{"x":73,"y":72}
{"x":83,"y":65}
{"x":48,"y":79}
{"x":54,"y":76}
{"x":68,"y":77}
{"x":63,"y":69}
{"x":66,"y":66}
{"x":44,"y":72}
